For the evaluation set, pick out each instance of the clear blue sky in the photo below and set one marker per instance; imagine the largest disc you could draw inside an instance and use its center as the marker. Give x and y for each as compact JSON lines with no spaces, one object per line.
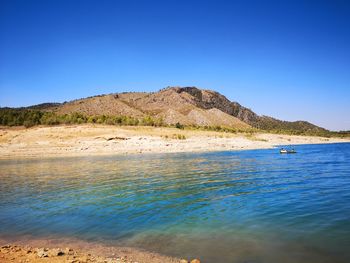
{"x":287,"y":59}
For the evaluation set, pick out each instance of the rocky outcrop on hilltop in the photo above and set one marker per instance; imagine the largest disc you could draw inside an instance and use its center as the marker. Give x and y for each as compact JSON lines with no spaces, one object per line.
{"x":208,"y":99}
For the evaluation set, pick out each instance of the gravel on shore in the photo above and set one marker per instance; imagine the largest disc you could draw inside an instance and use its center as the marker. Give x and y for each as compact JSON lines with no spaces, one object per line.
{"x":27,"y":254}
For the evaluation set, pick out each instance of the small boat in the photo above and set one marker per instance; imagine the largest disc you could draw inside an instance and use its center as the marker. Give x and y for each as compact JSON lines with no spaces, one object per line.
{"x":287,"y":151}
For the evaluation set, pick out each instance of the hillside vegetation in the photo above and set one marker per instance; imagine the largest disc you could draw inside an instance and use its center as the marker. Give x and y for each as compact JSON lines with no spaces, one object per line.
{"x":186,"y":107}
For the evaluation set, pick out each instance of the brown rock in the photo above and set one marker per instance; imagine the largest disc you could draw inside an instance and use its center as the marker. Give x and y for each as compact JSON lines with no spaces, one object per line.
{"x":55,"y":252}
{"x":84,"y":259}
{"x":42,"y":253}
{"x":69,"y":251}
{"x":183,"y":261}
{"x":6,"y":246}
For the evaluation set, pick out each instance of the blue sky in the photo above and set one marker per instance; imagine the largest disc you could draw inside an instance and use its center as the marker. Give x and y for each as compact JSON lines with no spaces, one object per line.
{"x":286,"y":59}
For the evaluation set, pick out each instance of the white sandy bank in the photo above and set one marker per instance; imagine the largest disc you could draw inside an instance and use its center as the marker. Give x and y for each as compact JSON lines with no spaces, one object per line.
{"x":82,"y":140}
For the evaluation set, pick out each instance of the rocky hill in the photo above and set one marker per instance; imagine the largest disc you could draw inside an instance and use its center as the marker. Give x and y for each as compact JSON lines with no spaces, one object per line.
{"x":188,"y":106}
{"x":185,"y":105}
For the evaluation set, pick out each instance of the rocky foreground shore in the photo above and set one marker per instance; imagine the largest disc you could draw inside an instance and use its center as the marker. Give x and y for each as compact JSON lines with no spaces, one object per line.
{"x":26,"y":254}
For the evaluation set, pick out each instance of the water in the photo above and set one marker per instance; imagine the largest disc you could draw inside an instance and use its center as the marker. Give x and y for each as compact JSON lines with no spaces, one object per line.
{"x":247,"y":206}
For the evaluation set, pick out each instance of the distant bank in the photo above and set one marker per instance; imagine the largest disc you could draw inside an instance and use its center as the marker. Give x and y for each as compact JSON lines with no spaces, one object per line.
{"x":172,"y":106}
{"x":91,"y":139}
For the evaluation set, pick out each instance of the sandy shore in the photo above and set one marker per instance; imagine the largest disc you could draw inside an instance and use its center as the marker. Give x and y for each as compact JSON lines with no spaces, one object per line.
{"x":82,"y":140}
{"x":76,"y":251}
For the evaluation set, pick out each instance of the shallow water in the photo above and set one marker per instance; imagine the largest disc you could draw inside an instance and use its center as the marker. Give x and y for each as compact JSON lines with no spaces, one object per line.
{"x":244,"y":206}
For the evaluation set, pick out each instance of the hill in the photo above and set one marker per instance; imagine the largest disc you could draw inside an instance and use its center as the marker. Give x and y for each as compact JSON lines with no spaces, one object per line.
{"x":188,"y":106}
{"x":184,"y":105}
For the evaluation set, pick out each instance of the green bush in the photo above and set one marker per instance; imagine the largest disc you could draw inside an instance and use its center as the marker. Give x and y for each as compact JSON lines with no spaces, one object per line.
{"x":178,"y":125}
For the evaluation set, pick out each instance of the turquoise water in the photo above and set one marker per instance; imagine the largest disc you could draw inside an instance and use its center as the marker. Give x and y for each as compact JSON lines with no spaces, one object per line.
{"x":246,"y":206}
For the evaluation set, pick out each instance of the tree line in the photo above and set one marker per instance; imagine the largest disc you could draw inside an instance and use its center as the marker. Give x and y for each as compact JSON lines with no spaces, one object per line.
{"x":29,"y":118}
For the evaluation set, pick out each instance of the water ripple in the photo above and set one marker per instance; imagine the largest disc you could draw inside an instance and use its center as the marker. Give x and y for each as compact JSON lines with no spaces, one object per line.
{"x":255,"y":206}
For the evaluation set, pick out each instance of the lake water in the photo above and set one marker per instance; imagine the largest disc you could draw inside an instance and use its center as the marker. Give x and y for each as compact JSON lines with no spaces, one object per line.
{"x":243,"y":206}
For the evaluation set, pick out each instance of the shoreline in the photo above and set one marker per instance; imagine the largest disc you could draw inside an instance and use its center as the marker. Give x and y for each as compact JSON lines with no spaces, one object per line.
{"x":101,"y":140}
{"x":57,"y":250}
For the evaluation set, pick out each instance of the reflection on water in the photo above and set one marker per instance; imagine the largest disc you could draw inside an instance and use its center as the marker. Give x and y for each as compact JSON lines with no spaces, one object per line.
{"x":249,"y":206}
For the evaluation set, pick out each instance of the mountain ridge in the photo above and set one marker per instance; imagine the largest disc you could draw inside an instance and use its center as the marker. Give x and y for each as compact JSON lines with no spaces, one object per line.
{"x":185,"y":105}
